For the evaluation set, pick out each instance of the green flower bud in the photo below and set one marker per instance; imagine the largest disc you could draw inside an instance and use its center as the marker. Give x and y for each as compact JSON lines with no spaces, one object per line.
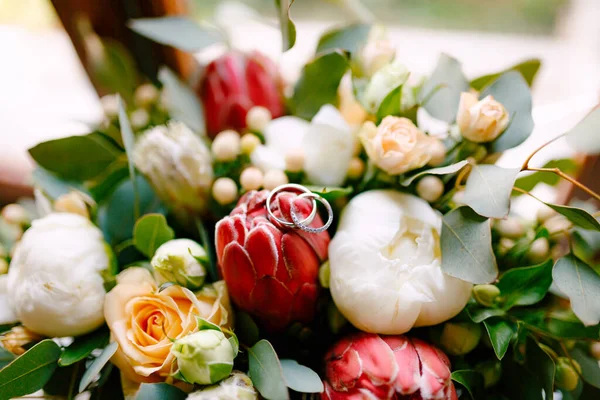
{"x":491,"y":371}
{"x":459,"y":338}
{"x":567,"y":377}
{"x":176,"y":261}
{"x":204,"y":357}
{"x":237,"y":387}
{"x":486,"y":295}
{"x":324,"y":273}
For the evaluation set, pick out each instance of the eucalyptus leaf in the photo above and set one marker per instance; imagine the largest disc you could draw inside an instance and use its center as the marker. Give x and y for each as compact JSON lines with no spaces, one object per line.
{"x":150,"y":232}
{"x":478,"y":314}
{"x":300,"y":378}
{"x":528,"y":69}
{"x":572,"y":329}
{"x":577,"y":216}
{"x":488,"y":190}
{"x":466,"y":242}
{"x":104,"y":184}
{"x":246,"y":329}
{"x":449,"y":169}
{"x":391,"y":104}
{"x":448,"y":82}
{"x":501,"y":332}
{"x":528,"y":182}
{"x":181,"y":101}
{"x":52,"y":185}
{"x":288,"y":29}
{"x":160,"y":391}
{"x":318,"y":84}
{"x":581,"y":284}
{"x":512,"y":91}
{"x":331,"y":193}
{"x":129,"y":142}
{"x":266,"y":371}
{"x":82,"y":346}
{"x":349,"y":38}
{"x":525,"y":286}
{"x":6,"y":357}
{"x":63,"y":382}
{"x":30,"y":371}
{"x":584,"y":136}
{"x":590,"y":371}
{"x":471,"y":380}
{"x":95,"y":367}
{"x":76,"y":157}
{"x":541,"y":364}
{"x":177,"y":31}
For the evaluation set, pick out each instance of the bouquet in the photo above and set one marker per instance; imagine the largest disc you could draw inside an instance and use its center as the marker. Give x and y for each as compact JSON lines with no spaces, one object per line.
{"x":344,"y":236}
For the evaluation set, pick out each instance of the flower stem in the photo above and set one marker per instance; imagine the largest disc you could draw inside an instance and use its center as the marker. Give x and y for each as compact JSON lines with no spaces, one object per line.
{"x":525,"y":166}
{"x":568,"y":178}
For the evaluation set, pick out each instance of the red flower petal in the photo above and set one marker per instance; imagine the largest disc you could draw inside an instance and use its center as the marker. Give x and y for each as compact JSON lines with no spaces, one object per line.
{"x":343,"y":366}
{"x":300,"y":262}
{"x":303,"y":308}
{"x":263,"y":246}
{"x":407,"y":359}
{"x":271,"y":302}
{"x":435,"y":372}
{"x":377,"y":359}
{"x":239,"y":274}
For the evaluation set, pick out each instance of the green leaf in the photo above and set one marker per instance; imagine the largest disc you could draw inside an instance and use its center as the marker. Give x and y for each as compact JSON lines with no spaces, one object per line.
{"x":501,"y":333}
{"x":541,"y":364}
{"x":266,"y":371}
{"x":391,"y":104}
{"x":528,"y":182}
{"x":318,"y":83}
{"x":590,"y":371}
{"x":348,"y":38}
{"x":331,"y":193}
{"x":6,"y":357}
{"x":160,"y":391}
{"x":96,"y":366}
{"x":584,"y":137}
{"x":150,"y":232}
{"x":82,"y":346}
{"x":63,"y":381}
{"x":246,"y":329}
{"x":512,"y":91}
{"x":478,"y":314}
{"x":129,"y":142}
{"x":29,"y":372}
{"x":466,"y":242}
{"x":448,"y":82}
{"x":449,"y":169}
{"x":300,"y":378}
{"x":288,"y":29}
{"x":76,"y":157}
{"x":581,"y":284}
{"x":525,"y":286}
{"x":528,"y":69}
{"x":52,"y":185}
{"x":181,"y":101}
{"x":235,"y":343}
{"x":180,"y":32}
{"x":207,"y":325}
{"x":519,"y":383}
{"x":572,"y":329}
{"x":471,"y":380}
{"x":488,"y":190}
{"x":104,"y":184}
{"x":577,"y":216}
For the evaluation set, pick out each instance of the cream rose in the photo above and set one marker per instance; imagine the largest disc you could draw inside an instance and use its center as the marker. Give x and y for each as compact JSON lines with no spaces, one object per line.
{"x":483,"y":120}
{"x":143,"y":321}
{"x":396,"y":145}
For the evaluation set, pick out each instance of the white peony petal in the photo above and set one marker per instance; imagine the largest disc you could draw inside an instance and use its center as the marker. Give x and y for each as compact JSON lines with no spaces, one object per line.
{"x":267,"y":158}
{"x":285,"y":134}
{"x":7,"y":315}
{"x":327,"y":154}
{"x":329,"y":115}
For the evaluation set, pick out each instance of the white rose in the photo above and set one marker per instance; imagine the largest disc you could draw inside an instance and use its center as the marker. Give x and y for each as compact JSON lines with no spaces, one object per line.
{"x":55,"y":283}
{"x":385,"y":262}
{"x":174,"y":261}
{"x":481,"y":120}
{"x":178,"y":165}
{"x":327,"y":143}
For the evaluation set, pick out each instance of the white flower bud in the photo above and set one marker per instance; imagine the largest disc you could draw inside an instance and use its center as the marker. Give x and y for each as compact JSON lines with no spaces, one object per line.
{"x":73,"y":202}
{"x":544,"y":213}
{"x":237,"y":387}
{"x":175,"y":261}
{"x":384,"y":80}
{"x":110,"y":105}
{"x":459,"y":198}
{"x":55,"y":279}
{"x":3,"y":266}
{"x":204,"y":357}
{"x":356,"y":168}
{"x":257,"y":118}
{"x":274,"y":178}
{"x":539,"y":250}
{"x":557,"y":224}
{"x":294,"y":160}
{"x":224,"y":190}
{"x":437,"y":150}
{"x":510,"y":228}
{"x":430,"y":188}
{"x":248,"y":143}
{"x":139,"y":118}
{"x":481,"y":120}
{"x":226,"y":146}
{"x":145,"y":95}
{"x":505,"y":245}
{"x":251,"y":179}
{"x":16,"y":214}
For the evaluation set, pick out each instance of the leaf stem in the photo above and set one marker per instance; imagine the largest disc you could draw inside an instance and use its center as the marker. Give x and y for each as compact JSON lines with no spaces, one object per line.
{"x":568,"y":178}
{"x":525,"y":166}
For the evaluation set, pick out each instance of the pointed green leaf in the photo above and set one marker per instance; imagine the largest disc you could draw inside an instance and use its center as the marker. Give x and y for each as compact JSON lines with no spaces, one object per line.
{"x":581,"y":284}
{"x":466,"y":242}
{"x":488,"y":190}
{"x":501,"y":333}
{"x":525,"y":286}
{"x":129,"y":142}
{"x":590,"y":370}
{"x":331,"y":193}
{"x":103,"y":184}
{"x":204,"y":325}
{"x":82,"y":346}
{"x":478,"y":314}
{"x":300,"y":378}
{"x":160,"y":391}
{"x":572,"y":329}
{"x":150,"y":232}
{"x":246,"y":328}
{"x":181,"y":101}
{"x":348,"y":38}
{"x":471,"y":380}
{"x":584,"y":137}
{"x":30,"y":371}
{"x":391,"y":104}
{"x":266,"y":371}
{"x":53,"y":186}
{"x":288,"y":29}
{"x":96,"y":366}
{"x":180,"y":32}
{"x":528,"y":69}
{"x":541,"y":364}
{"x":577,"y":216}
{"x":449,"y":169}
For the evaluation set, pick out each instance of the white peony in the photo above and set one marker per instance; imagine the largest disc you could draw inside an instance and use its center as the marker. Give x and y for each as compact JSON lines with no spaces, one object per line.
{"x":55,"y":286}
{"x":327,"y":143}
{"x":385,"y":262}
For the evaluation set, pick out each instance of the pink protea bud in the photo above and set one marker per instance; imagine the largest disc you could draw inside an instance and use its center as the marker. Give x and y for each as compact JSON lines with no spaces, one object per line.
{"x":233,"y":84}
{"x":370,"y":366}
{"x":271,"y":271}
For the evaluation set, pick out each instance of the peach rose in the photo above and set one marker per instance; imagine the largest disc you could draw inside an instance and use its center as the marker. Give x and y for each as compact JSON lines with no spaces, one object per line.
{"x":143,"y":321}
{"x":483,"y":120}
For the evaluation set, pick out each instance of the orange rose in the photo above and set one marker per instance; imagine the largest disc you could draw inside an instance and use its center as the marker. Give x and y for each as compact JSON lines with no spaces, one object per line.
{"x":143,"y":321}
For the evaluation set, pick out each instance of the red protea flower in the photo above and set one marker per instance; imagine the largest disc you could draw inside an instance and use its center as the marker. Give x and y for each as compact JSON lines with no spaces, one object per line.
{"x":369,"y":366}
{"x":271,"y":271}
{"x":233,"y":84}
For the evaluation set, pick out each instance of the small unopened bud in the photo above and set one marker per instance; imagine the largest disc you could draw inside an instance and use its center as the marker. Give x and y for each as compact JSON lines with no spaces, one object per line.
{"x":110,"y":105}
{"x":557,"y":224}
{"x":430,"y":188}
{"x":544,"y":213}
{"x":486,"y":295}
{"x":510,"y":228}
{"x":294,"y":160}
{"x":251,"y":179}
{"x":248,"y":143}
{"x":491,"y":371}
{"x":176,"y":261}
{"x":15,"y":339}
{"x":257,"y":118}
{"x":226,"y":146}
{"x":505,"y":245}
{"x":16,"y":214}
{"x":274,"y":178}
{"x":145,"y":95}
{"x":237,"y":386}
{"x":438,"y":153}
{"x":356,"y":168}
{"x":324,"y":274}
{"x":459,"y":338}
{"x":459,"y":197}
{"x":3,"y":266}
{"x":595,"y":350}
{"x":567,"y":377}
{"x":139,"y":118}
{"x":224,"y":190}
{"x":73,"y":202}
{"x":538,"y":250}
